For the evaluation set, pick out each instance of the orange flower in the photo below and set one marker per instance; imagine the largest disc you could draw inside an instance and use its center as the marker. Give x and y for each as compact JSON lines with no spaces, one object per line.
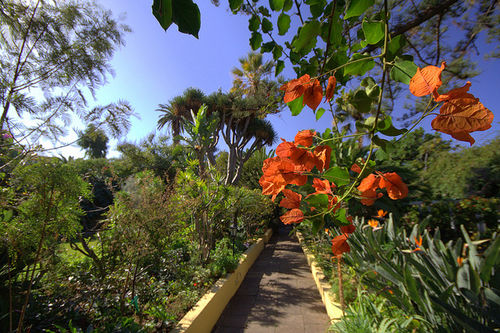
{"x":322,"y":186}
{"x":460,"y":261}
{"x":330,"y":88}
{"x":373,"y":223}
{"x":322,"y":157}
{"x":291,"y":199}
{"x":418,"y":243}
{"x":381,"y":213}
{"x":326,"y":231}
{"x":339,"y":245}
{"x":292,"y":216}
{"x":305,"y":138}
{"x":279,"y":172}
{"x":313,"y":95}
{"x":427,"y":80}
{"x":295,"y":88}
{"x":355,"y":168}
{"x":394,"y":185}
{"x":461,"y":114}
{"x":347,"y":229}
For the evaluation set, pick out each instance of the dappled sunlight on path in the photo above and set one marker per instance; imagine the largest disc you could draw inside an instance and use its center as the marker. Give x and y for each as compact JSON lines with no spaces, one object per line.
{"x":277,"y":295}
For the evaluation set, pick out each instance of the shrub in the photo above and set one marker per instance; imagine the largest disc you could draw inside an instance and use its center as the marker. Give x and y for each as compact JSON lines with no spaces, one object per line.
{"x":451,"y":285}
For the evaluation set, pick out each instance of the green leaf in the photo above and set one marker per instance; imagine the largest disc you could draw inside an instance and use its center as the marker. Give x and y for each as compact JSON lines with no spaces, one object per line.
{"x":337,"y":175}
{"x":335,"y":32}
{"x":186,"y":14}
{"x":395,"y":46}
{"x":373,"y":92}
{"x":385,"y":145}
{"x":283,"y":24}
{"x":255,"y":40}
{"x":357,"y":7}
{"x":316,"y":7}
{"x":318,"y":201}
{"x":277,"y":53}
{"x":296,"y":106}
{"x":491,"y":256}
{"x":403,"y":70}
{"x":266,"y":25}
{"x":393,"y":131}
{"x":235,"y":4}
{"x":341,"y":216}
{"x":288,"y":5}
{"x":253,"y":23}
{"x":276,"y":5}
{"x":368,"y":82}
{"x":264,"y":11}
{"x":319,"y":113}
{"x":374,"y":31}
{"x":387,"y":128}
{"x":267,"y":47}
{"x":317,"y":224}
{"x":307,"y":36}
{"x":360,"y":66}
{"x":280,"y":66}
{"x":361,"y":101}
{"x":162,"y":10}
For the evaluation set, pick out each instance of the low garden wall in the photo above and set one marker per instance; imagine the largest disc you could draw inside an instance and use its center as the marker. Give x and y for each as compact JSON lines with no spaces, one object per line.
{"x":204,"y":315}
{"x":333,"y":309}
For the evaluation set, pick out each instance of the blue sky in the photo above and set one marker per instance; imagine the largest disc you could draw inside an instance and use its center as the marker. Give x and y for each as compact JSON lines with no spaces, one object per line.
{"x":155,"y":66}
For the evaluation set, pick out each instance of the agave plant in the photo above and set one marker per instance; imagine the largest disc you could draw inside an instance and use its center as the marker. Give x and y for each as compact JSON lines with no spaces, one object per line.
{"x":454,"y":286}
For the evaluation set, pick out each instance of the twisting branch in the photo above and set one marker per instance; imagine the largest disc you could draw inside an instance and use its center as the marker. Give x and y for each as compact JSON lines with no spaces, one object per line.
{"x":299,"y":14}
{"x":438,"y":38}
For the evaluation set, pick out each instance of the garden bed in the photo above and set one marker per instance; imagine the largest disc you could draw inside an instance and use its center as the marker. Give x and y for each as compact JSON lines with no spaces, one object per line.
{"x":204,"y":315}
{"x":333,"y":309}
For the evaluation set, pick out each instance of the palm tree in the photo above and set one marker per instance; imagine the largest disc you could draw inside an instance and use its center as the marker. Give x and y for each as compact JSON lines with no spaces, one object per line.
{"x":178,"y":111}
{"x":253,"y":71}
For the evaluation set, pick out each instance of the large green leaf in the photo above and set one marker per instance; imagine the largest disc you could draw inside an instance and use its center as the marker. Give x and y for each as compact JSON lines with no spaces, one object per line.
{"x":386,"y":127}
{"x":277,"y":53}
{"x":307,"y":37}
{"x":395,"y":46}
{"x":235,"y":4}
{"x":186,"y":14}
{"x":296,"y":106}
{"x":319,"y":113}
{"x":403,"y":70}
{"x":359,"y":66}
{"x":255,"y":40}
{"x":288,"y":5}
{"x":318,"y":201}
{"x":341,"y":216}
{"x":374,"y":31}
{"x":491,"y":256}
{"x":253,"y":23}
{"x":357,"y":8}
{"x":337,"y":175}
{"x":276,"y":5}
{"x":162,"y":10}
{"x":361,"y":101}
{"x":267,"y":26}
{"x":280,"y":66}
{"x":283,"y":23}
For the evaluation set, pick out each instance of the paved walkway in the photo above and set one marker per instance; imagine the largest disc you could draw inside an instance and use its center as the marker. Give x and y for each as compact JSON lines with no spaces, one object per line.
{"x":277,"y":295}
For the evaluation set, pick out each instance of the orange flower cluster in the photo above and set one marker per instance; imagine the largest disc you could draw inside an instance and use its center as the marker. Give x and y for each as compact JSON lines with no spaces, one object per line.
{"x":461,"y":112}
{"x":391,"y":181}
{"x":339,"y":243}
{"x":310,"y":89}
{"x":291,"y":162}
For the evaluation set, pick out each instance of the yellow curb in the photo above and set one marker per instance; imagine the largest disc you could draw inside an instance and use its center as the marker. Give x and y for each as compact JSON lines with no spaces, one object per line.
{"x":204,"y":315}
{"x":333,"y":309}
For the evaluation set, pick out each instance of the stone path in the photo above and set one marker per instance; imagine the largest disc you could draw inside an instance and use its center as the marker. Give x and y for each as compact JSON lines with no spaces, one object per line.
{"x":278,"y":294}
